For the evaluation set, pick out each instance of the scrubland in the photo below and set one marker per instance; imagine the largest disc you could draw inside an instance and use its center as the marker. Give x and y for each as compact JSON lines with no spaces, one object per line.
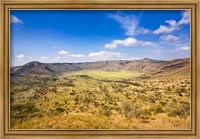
{"x":100,"y":99}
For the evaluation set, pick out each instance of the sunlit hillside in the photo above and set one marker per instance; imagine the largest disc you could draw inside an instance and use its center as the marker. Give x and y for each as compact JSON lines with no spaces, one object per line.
{"x":140,"y":94}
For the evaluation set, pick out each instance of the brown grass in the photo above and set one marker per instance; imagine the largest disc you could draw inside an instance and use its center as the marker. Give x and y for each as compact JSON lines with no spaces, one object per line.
{"x":89,"y":121}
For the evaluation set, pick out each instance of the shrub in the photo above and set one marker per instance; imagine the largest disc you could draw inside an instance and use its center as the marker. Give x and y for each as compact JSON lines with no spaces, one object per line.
{"x":180,"y":91}
{"x":144,"y":113}
{"x":177,"y":110}
{"x":72,"y":93}
{"x":143,"y":91}
{"x":158,"y":109}
{"x":128,"y":110}
{"x":60,"y":110}
{"x":107,"y":112}
{"x":23,"y":111}
{"x":136,"y":84}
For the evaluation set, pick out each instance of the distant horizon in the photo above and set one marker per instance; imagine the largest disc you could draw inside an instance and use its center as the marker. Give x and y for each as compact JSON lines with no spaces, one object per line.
{"x":77,"y":36}
{"x":97,"y":61}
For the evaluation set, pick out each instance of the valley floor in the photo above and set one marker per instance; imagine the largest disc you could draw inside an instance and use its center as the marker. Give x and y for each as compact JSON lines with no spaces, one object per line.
{"x":88,"y":100}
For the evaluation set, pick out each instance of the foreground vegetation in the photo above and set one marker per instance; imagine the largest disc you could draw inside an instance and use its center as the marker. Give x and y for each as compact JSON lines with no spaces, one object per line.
{"x":100,"y":99}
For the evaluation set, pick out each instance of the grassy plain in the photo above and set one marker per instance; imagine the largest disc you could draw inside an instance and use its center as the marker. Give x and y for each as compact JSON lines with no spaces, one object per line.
{"x":107,"y":75}
{"x":98,"y":99}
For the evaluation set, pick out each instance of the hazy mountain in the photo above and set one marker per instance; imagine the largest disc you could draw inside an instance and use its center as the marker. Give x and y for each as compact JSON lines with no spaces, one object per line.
{"x":145,"y":65}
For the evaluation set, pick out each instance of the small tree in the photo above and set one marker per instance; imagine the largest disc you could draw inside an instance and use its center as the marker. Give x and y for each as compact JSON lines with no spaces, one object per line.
{"x":22,"y":111}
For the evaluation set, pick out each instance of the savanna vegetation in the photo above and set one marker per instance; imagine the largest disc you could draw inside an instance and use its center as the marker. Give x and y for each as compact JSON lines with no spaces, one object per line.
{"x":101,"y":99}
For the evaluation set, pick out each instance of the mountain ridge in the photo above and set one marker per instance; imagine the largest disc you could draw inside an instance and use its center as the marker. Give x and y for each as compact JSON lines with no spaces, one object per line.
{"x":145,"y":65}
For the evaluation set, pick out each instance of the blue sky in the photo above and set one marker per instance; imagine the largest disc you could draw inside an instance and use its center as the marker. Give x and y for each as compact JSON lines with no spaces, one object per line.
{"x":52,"y":36}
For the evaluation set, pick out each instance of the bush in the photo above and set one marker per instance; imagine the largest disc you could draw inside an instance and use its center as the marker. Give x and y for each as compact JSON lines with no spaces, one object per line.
{"x":143,"y":91}
{"x":60,"y":110}
{"x":144,"y":113}
{"x":107,"y":112}
{"x":56,"y":103}
{"x":136,"y":84}
{"x":177,"y":110}
{"x":179,"y":91}
{"x":23,"y":111}
{"x":158,"y":109}
{"x":128,"y":110}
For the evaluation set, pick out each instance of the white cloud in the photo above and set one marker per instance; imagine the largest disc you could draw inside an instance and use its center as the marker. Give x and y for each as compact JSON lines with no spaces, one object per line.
{"x":43,"y":58}
{"x":93,"y":56}
{"x":111,"y":45}
{"x":68,"y":54}
{"x":146,"y":43}
{"x":128,"y":42}
{"x":173,"y":25}
{"x":142,"y":30}
{"x":63,"y":52}
{"x":185,"y":18}
{"x":169,"y":38}
{"x":77,"y":55}
{"x":171,"y":22}
{"x":14,"y":19}
{"x":105,"y":54}
{"x":20,"y":56}
{"x":185,"y":48}
{"x":129,"y":23}
{"x":167,"y":29}
{"x":163,"y":29}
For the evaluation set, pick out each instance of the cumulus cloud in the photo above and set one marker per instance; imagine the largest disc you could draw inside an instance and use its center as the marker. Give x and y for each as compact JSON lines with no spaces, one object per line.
{"x":77,"y":55}
{"x":20,"y":57}
{"x":23,"y":58}
{"x":66,"y":53}
{"x":173,"y":25}
{"x":63,"y":52}
{"x":128,"y":42}
{"x":129,"y":23}
{"x":167,"y":29}
{"x":93,"y":56}
{"x":185,"y":48}
{"x":14,"y":19}
{"x":169,"y":38}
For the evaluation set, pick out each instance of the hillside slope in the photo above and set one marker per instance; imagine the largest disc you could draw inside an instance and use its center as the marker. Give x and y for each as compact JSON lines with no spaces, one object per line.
{"x":141,"y":94}
{"x":146,"y":65}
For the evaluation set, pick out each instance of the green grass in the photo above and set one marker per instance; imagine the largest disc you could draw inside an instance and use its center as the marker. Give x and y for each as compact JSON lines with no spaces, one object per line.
{"x":107,"y":75}
{"x":73,"y":101}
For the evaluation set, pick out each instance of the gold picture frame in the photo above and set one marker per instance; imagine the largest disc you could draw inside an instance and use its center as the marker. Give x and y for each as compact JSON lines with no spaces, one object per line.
{"x":192,"y":5}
